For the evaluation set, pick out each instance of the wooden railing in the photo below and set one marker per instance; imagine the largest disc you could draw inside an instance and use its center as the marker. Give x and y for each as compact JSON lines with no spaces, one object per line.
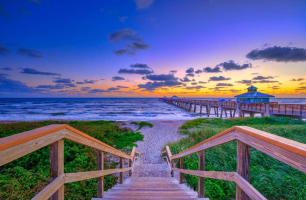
{"x":287,"y":151}
{"x":16,"y":146}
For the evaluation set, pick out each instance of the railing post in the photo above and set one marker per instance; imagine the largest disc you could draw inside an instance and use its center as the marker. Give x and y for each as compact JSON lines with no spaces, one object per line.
{"x":130,"y":165}
{"x":57,"y":166}
{"x":181,"y":167}
{"x":243,"y":167}
{"x":201,"y":179}
{"x":172,"y":166}
{"x":100,"y":166}
{"x":121,"y":173}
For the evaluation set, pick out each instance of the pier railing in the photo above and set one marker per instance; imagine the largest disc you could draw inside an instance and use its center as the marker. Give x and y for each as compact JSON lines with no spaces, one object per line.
{"x":18,"y":145}
{"x":287,"y":151}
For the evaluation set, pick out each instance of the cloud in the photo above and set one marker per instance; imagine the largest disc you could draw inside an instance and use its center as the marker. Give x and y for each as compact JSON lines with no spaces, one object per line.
{"x":143,"y":4}
{"x":225,"y":84}
{"x":122,"y":18}
{"x":278,"y":54}
{"x":212,"y":70}
{"x":30,"y":53}
{"x":51,"y":87}
{"x":265,"y":81}
{"x":138,"y":65}
{"x":135,"y":46}
{"x":117,"y":78}
{"x":150,"y":86}
{"x":62,"y":80}
{"x":262,"y":77}
{"x":299,"y":79}
{"x":87,"y":82}
{"x":190,"y":75}
{"x":198,"y":71}
{"x":136,"y":71}
{"x":124,"y":34}
{"x":202,"y":82}
{"x":231,"y":65}
{"x":4,"y":50}
{"x":122,"y":52}
{"x":97,"y":91}
{"x":254,"y":73}
{"x":161,"y":77}
{"x":185,"y":79}
{"x":247,"y":82}
{"x":173,"y":71}
{"x":119,"y":86}
{"x":195,"y":87}
{"x":220,"y":78}
{"x":36,"y":72}
{"x":113,"y":89}
{"x":194,"y":83}
{"x":6,"y":68}
{"x":35,"y":1}
{"x":190,"y":70}
{"x":85,"y":89}
{"x":4,"y":74}
{"x":8,"y":85}
{"x":69,"y":85}
{"x":274,"y":87}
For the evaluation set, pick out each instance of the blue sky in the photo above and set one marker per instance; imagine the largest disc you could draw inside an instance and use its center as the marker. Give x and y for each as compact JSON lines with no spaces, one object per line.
{"x":48,"y":48}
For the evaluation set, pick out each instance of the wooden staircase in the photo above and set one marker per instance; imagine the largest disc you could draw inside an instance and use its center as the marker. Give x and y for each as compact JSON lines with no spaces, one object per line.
{"x":150,"y":188}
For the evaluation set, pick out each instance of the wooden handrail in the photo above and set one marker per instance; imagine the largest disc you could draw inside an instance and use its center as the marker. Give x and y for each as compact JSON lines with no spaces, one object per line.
{"x":285,"y":150}
{"x":18,"y":145}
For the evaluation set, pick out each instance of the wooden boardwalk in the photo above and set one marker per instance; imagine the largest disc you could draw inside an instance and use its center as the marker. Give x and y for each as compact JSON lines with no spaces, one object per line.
{"x":232,"y":108}
{"x":287,"y":151}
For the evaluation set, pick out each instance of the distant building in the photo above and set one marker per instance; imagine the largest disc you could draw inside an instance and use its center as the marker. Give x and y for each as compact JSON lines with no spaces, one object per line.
{"x":174,"y":97}
{"x":253,"y":96}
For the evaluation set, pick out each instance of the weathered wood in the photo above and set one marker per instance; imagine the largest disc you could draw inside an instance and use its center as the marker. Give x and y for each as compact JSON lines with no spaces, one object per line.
{"x":57,"y":166}
{"x":22,"y":149}
{"x":181,"y":167}
{"x":80,"y":176}
{"x":100,"y":163}
{"x":121,"y":173}
{"x":285,"y":156}
{"x":169,"y":153}
{"x":54,"y":186}
{"x":94,"y":143}
{"x":221,"y":138}
{"x":226,"y":176}
{"x":130,"y":166}
{"x":243,"y":167}
{"x":248,"y":188}
{"x":201,"y":179}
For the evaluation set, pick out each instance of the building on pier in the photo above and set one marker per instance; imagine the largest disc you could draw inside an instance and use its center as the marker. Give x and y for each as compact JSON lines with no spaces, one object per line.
{"x":252,"y":96}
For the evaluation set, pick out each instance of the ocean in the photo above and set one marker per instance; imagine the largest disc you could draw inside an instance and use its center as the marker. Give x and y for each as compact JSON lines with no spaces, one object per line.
{"x":119,"y":109}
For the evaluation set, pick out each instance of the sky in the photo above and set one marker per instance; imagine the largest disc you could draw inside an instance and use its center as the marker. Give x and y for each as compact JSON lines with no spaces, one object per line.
{"x":152,"y":48}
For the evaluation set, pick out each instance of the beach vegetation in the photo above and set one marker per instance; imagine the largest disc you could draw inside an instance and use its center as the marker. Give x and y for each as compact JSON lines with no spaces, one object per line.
{"x":28,"y":175}
{"x":142,"y":124}
{"x":272,"y":178}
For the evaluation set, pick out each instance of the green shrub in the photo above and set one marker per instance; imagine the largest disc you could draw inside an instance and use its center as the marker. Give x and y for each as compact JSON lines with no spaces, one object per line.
{"x":142,"y":124}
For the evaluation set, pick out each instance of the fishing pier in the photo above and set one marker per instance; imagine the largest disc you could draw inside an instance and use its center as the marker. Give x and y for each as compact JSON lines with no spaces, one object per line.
{"x":232,"y":108}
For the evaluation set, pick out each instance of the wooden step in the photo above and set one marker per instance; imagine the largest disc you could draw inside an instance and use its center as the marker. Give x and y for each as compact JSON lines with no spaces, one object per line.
{"x":150,"y":188}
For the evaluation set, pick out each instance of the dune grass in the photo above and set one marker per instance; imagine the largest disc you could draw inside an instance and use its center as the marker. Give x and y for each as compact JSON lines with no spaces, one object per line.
{"x":26,"y":176}
{"x":274,"y":179}
{"x":142,"y":124}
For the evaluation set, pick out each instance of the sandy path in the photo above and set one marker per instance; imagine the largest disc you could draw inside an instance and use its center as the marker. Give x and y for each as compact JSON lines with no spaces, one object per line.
{"x":150,"y":163}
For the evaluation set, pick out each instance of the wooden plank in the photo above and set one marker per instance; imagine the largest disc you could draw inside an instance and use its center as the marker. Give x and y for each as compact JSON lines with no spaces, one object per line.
{"x":22,"y":149}
{"x":287,"y":157}
{"x":182,"y":167}
{"x":16,"y":139}
{"x":169,"y":153}
{"x":201,"y":179}
{"x":94,"y":143}
{"x":248,"y":188}
{"x":243,"y":168}
{"x":226,"y":176}
{"x":100,"y":166}
{"x":51,"y":188}
{"x":121,"y":173}
{"x":79,"y":176}
{"x":57,"y":166}
{"x":221,"y":138}
{"x":284,"y":143}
